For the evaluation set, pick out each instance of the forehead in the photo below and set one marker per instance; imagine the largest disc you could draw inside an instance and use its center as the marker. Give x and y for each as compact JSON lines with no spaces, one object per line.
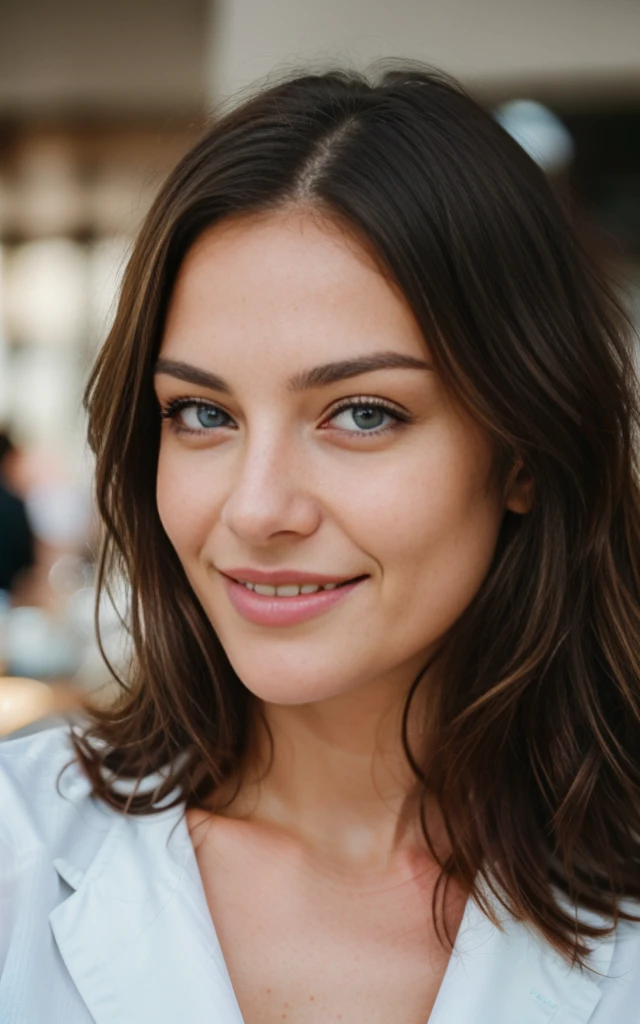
{"x":285,"y":286}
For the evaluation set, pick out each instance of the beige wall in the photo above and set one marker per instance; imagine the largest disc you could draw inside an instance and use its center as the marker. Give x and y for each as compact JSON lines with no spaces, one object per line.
{"x":95,"y":55}
{"x":169,"y":54}
{"x":570,"y":45}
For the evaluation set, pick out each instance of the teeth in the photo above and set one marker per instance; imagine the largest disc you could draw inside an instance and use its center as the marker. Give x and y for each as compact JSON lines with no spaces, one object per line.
{"x":264,"y":588}
{"x":306,"y":588}
{"x":288,"y":589}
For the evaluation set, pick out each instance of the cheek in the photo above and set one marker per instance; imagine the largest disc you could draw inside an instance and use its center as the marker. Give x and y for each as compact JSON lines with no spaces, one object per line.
{"x":184,"y":504}
{"x":433,"y":529}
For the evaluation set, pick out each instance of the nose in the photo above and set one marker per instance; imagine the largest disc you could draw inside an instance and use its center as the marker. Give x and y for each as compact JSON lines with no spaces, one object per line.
{"x":269,"y":493}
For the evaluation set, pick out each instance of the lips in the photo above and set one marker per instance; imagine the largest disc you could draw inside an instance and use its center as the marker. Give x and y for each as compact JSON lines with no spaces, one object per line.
{"x":267,"y":610}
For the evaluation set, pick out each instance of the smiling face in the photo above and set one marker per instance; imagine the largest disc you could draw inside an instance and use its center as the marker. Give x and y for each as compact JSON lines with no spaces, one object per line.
{"x":349,"y":473}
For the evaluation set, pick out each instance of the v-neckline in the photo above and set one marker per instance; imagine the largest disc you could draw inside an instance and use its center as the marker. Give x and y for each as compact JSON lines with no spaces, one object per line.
{"x":471,"y":917}
{"x":138,"y":939}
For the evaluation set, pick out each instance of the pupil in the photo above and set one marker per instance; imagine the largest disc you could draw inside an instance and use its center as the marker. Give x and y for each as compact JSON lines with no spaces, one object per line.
{"x":368,"y":416}
{"x":208,"y":417}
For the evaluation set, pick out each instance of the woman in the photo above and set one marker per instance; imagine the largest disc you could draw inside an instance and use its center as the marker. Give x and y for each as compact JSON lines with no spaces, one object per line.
{"x":363,"y":429}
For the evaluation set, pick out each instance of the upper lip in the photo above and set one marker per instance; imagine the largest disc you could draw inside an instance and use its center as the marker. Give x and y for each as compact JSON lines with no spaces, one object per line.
{"x":278,"y":577}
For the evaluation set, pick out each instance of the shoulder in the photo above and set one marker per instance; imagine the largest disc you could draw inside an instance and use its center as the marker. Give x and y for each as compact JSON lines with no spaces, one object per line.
{"x":40,"y":752}
{"x":30,"y":764}
{"x":619,"y":979}
{"x":42,"y":790}
{"x":45,"y":809}
{"x":626,"y":942}
{"x":49,"y":814}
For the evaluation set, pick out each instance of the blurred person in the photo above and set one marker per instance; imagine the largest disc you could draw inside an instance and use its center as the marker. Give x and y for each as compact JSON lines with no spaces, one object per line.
{"x":17,"y":545}
{"x":363,"y":429}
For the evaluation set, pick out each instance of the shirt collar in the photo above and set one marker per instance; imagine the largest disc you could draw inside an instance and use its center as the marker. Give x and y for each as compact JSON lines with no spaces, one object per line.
{"x":137,"y":938}
{"x":136,"y":934}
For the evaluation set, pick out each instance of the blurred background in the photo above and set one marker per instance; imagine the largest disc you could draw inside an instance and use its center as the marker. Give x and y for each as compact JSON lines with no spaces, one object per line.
{"x":97,"y":102}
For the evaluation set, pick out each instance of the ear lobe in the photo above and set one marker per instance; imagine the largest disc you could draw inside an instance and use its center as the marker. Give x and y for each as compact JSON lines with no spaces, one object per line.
{"x":520,"y":489}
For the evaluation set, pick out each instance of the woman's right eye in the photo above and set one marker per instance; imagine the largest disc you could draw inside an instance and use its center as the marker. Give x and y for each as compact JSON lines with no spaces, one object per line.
{"x":193,"y":417}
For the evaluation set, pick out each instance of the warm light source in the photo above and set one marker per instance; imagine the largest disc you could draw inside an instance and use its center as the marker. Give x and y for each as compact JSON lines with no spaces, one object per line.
{"x":24,"y":701}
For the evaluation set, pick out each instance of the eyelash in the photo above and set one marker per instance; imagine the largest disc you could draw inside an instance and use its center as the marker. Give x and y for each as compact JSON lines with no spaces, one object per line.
{"x":171,"y":410}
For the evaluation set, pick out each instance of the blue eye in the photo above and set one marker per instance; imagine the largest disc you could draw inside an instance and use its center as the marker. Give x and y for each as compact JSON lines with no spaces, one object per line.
{"x":368,"y":417}
{"x":206,"y":416}
{"x":195,"y":417}
{"x":365,"y":417}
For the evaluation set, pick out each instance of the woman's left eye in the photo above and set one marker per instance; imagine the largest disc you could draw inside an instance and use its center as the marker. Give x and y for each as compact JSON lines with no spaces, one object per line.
{"x":367,"y":417}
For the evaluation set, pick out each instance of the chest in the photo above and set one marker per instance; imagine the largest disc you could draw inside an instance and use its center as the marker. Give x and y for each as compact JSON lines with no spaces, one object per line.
{"x":305,"y":949}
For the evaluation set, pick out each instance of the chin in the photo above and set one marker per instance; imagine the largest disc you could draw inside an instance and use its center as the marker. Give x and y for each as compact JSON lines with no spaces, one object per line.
{"x":288,"y":692}
{"x":274,"y":684}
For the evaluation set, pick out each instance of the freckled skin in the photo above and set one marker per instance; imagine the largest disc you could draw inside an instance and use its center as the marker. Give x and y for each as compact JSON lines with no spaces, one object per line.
{"x":306,"y":882}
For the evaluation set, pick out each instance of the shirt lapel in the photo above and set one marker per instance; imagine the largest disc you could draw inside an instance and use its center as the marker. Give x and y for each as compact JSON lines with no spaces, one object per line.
{"x":137,"y":938}
{"x":508,"y":974}
{"x":136,"y":934}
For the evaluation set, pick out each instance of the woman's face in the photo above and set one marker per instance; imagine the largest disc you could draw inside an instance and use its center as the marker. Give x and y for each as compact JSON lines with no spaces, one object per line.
{"x":305,"y":432}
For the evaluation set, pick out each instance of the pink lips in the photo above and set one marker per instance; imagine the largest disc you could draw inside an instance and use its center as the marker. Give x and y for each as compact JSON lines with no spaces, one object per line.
{"x":284,"y":611}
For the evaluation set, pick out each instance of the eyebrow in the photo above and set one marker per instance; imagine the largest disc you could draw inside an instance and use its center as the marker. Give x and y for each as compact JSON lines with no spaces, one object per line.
{"x":305,"y":380}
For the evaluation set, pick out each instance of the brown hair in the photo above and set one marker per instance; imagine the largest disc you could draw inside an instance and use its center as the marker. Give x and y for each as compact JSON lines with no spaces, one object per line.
{"x":534,"y":710}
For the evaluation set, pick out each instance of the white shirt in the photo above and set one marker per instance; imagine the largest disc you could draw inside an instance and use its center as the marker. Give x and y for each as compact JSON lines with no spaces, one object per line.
{"x":103,"y":918}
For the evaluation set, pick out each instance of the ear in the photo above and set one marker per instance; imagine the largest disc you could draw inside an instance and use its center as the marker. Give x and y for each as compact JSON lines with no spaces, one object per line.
{"x":519,"y":490}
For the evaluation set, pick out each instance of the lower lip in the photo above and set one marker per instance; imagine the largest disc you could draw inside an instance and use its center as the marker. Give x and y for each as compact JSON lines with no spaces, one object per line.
{"x":284,"y":611}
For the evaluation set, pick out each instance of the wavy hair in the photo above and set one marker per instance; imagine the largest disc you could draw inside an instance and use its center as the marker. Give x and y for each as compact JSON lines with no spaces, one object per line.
{"x":533,"y":740}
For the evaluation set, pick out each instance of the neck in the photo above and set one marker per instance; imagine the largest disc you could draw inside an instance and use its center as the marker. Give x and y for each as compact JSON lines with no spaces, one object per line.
{"x":336,"y":778}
